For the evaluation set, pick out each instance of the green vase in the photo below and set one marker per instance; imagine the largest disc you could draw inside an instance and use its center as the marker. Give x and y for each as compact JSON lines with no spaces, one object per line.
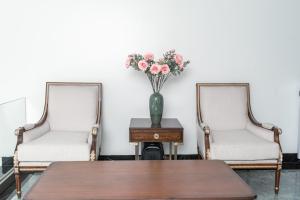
{"x":156,"y":106}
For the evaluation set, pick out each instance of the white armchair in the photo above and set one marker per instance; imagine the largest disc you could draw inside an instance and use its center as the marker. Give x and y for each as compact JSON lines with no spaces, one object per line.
{"x":69,"y":129}
{"x":228,"y":131}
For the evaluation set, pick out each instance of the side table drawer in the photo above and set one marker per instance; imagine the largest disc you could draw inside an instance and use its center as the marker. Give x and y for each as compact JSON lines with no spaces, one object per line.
{"x":156,"y":136}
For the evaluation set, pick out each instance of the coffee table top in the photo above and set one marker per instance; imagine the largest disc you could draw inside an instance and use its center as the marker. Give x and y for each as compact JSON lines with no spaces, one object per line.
{"x":189,"y":179}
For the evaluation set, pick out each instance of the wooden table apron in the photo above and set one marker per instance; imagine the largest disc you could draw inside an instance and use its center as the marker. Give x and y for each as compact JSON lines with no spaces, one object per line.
{"x":170,"y":130}
{"x":188,"y":179}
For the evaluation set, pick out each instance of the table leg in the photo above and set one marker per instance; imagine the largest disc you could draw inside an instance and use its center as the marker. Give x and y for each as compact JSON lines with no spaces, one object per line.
{"x":170,"y":150}
{"x":137,"y":150}
{"x":175,"y":150}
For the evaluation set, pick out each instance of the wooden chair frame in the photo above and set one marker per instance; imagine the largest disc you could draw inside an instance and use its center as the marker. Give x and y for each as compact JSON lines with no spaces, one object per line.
{"x":22,"y":130}
{"x":205,"y":128}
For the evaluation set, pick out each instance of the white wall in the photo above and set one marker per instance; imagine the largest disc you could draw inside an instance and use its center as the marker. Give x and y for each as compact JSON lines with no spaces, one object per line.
{"x":256,"y":41}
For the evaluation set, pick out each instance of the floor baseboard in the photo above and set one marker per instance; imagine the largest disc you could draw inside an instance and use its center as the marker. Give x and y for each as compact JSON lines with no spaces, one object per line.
{"x":290,"y":160}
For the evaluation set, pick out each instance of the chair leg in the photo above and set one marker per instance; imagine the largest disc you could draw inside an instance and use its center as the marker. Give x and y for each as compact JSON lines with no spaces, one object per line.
{"x":18,"y":184}
{"x":277,"y":178}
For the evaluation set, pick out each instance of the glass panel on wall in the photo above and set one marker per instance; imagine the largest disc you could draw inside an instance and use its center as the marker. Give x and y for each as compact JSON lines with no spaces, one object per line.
{"x":12,"y":116}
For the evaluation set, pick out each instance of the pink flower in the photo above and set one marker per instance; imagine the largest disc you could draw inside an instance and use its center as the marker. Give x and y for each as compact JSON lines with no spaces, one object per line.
{"x":149,"y":56}
{"x":181,"y":66}
{"x":178,"y":59}
{"x":165,"y":69}
{"x":127,"y":63}
{"x":142,"y":64}
{"x":155,"y":69}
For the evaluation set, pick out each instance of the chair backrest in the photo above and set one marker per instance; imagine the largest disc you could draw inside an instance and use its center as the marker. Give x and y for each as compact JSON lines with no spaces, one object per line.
{"x":73,"y":106}
{"x":223,"y":106}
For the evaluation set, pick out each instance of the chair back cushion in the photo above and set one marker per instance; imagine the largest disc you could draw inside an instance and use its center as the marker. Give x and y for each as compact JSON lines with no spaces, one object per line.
{"x":72,"y":107}
{"x":224,"y":107}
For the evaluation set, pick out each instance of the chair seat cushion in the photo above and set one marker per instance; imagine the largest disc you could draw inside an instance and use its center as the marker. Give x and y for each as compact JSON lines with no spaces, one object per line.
{"x":56,"y":146}
{"x":242,"y":145}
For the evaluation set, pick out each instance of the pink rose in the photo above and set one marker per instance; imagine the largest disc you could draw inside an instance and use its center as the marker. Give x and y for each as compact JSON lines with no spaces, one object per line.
{"x":165,"y":69}
{"x":142,"y":64}
{"x":155,"y":69}
{"x":128,"y":61}
{"x":181,"y":66}
{"x":178,"y":59}
{"x":149,"y":56}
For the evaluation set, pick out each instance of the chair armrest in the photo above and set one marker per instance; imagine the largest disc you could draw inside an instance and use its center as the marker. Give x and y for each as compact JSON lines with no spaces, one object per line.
{"x":267,"y":131}
{"x":204,"y":127}
{"x":28,"y":127}
{"x":30,"y":132}
{"x":94,"y":131}
{"x":93,"y":139}
{"x":24,"y":128}
{"x":268,"y":126}
{"x":35,"y":132}
{"x":272,"y":127}
{"x":96,"y":126}
{"x":260,"y":131}
{"x":204,"y":140}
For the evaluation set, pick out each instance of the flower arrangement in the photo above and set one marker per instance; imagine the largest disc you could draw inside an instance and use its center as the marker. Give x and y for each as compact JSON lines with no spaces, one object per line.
{"x":158,"y":71}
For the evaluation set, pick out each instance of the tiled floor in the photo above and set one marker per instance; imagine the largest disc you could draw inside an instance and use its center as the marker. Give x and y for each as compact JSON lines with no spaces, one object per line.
{"x":26,"y":185}
{"x":261,"y":181}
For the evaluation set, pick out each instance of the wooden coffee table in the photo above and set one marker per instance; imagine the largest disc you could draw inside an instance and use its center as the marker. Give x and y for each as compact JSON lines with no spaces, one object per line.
{"x":189,"y":179}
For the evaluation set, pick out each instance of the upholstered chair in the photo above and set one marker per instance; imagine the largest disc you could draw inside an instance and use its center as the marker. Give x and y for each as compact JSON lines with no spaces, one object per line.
{"x":69,"y":129}
{"x":228,"y":131}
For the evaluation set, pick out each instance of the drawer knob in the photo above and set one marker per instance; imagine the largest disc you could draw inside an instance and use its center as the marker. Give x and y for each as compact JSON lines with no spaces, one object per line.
{"x":156,"y":136}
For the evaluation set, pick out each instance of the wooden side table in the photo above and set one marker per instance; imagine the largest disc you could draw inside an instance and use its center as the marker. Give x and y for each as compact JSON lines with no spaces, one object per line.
{"x":142,"y":130}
